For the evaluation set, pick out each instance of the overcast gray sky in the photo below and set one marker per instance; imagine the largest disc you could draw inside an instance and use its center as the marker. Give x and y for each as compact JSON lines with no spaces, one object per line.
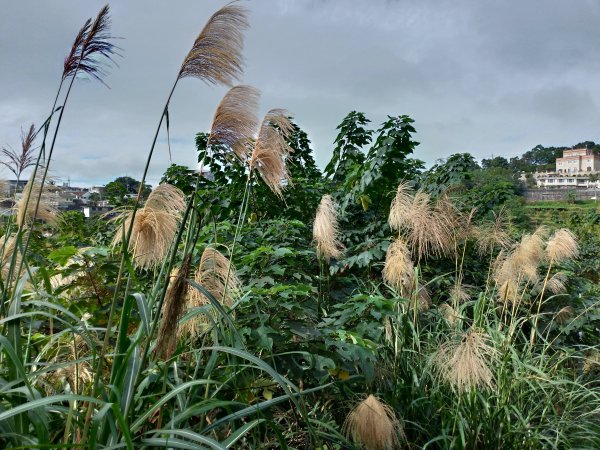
{"x":480,"y":76}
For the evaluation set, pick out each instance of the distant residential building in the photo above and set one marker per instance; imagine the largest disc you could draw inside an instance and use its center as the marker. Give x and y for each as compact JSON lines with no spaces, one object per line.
{"x":10,"y":187}
{"x":578,"y":160}
{"x":572,"y":170}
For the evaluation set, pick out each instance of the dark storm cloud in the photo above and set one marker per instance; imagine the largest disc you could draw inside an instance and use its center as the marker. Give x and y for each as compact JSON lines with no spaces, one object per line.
{"x":483,"y":77}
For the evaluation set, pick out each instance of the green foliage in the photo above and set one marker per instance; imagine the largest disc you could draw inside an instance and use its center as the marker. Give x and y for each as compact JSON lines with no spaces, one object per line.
{"x":455,"y":172}
{"x":496,"y":162}
{"x":347,"y":155}
{"x":123,"y":190}
{"x":181,"y":177}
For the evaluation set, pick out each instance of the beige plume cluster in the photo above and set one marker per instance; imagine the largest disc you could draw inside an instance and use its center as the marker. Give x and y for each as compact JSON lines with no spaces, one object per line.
{"x":464,"y":361}
{"x":218,"y":276}
{"x":562,"y":246}
{"x":492,"y":235}
{"x":373,"y":424}
{"x":399,"y":270}
{"x":428,"y":226}
{"x":235,"y":121}
{"x":28,"y":209}
{"x":326,"y":230}
{"x":173,"y":307}
{"x":514,"y":271}
{"x":154,"y":226}
{"x":8,"y":247}
{"x":265,"y":150}
{"x":271,"y":150}
{"x":216,"y":56}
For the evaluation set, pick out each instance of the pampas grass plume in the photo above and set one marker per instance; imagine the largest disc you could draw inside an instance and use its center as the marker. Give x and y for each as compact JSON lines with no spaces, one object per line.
{"x":213,"y":272}
{"x":91,"y":47}
{"x":271,"y":150}
{"x":562,"y":246}
{"x":154,"y":226}
{"x":27,"y":205}
{"x":216,"y":56}
{"x":556,"y":283}
{"x":398,"y":270}
{"x":326,"y":230}
{"x":173,"y":306}
{"x":428,"y":226}
{"x":465,"y":363}
{"x":235,"y":121}
{"x":565,"y":314}
{"x":373,"y":425}
{"x":8,"y":247}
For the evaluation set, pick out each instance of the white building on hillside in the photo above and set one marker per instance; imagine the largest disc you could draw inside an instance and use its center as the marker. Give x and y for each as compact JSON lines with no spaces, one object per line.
{"x":578,"y":160}
{"x":572,"y":170}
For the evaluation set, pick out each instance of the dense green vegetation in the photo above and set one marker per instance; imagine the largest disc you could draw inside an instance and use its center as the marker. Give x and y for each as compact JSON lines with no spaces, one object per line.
{"x":373,"y":305}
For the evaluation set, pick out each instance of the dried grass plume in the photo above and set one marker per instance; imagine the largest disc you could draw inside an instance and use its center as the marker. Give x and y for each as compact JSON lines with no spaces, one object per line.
{"x":520,"y":267}
{"x":28,"y":209}
{"x":214,"y":273}
{"x":91,"y":49}
{"x":562,"y":246}
{"x":8,"y":247}
{"x":17,"y":162}
{"x":173,"y":307}
{"x":218,"y":276}
{"x":427,"y":225}
{"x":271,"y":150}
{"x":236,"y":120}
{"x":492,"y":235}
{"x":154,"y":226}
{"x":374,"y":425}
{"x":398,"y":270}
{"x":326,"y":230}
{"x":565,"y":314}
{"x":465,"y":363}
{"x":216,"y":56}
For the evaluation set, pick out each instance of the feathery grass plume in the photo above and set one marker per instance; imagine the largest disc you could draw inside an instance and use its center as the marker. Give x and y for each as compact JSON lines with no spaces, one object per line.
{"x":172,"y":310}
{"x":591,"y":362}
{"x":421,"y":294}
{"x":565,"y":314}
{"x":398,"y":270}
{"x":490,"y":236}
{"x":449,"y":313}
{"x":77,"y":374}
{"x":91,"y":48}
{"x":400,"y":206}
{"x":428,"y":226}
{"x":508,"y":291}
{"x":521,"y":266}
{"x":8,"y":246}
{"x":236,"y":120}
{"x":17,"y":162}
{"x":465,"y":362}
{"x":562,"y":246}
{"x":216,"y":56}
{"x":214,"y":271}
{"x":556,"y":283}
{"x":460,"y":293}
{"x":155,"y":225}
{"x":271,"y":150}
{"x":326,"y":230}
{"x":373,"y":424}
{"x":27,"y":205}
